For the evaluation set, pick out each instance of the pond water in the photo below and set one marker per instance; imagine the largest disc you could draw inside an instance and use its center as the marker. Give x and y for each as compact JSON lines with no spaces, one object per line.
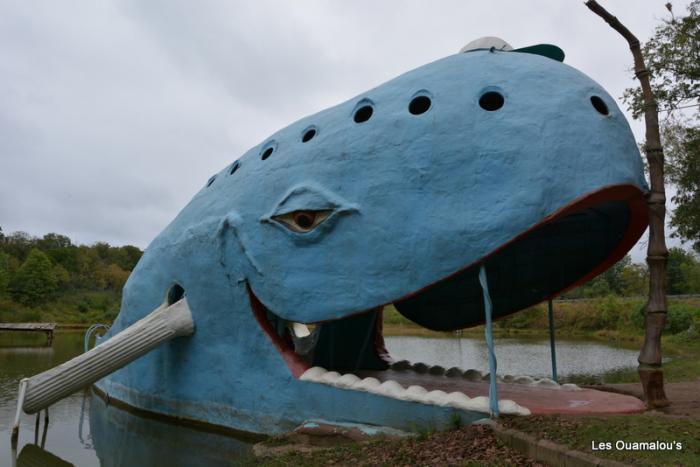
{"x":84,"y":432}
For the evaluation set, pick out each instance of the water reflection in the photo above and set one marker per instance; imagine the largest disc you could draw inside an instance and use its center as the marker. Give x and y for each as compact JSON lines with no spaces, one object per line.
{"x":122,"y":439}
{"x":85,"y":432}
{"x":33,"y":456}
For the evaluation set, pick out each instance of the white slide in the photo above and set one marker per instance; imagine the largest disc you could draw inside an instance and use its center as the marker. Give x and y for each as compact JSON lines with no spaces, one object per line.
{"x":161,"y":325}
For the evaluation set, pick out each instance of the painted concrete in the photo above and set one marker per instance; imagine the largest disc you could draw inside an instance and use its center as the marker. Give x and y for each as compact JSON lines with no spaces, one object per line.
{"x":410,"y":198}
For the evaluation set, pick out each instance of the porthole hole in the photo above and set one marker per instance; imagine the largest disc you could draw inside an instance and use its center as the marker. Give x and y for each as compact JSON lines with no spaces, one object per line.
{"x":599,"y":105}
{"x":267,"y":153}
{"x":363,"y":114}
{"x":308,"y":135}
{"x":234,"y":167}
{"x":211,"y":180}
{"x":419,"y":105}
{"x":491,"y":101}
{"x":175,"y":293}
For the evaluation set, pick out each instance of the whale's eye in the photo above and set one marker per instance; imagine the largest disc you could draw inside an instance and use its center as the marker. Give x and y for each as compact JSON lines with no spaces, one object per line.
{"x":303,"y":220}
{"x":599,"y":105}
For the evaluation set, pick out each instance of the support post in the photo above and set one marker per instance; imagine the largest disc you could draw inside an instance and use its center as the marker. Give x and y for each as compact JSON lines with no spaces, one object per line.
{"x":552,"y":347}
{"x":488,"y":308}
{"x":657,"y":254}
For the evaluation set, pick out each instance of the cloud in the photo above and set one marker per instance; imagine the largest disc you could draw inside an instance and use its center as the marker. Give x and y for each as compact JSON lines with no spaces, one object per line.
{"x":115,"y":113}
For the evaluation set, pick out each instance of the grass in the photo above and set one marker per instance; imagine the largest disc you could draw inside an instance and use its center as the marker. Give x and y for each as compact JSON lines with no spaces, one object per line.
{"x":581,"y":433}
{"x":79,"y":308}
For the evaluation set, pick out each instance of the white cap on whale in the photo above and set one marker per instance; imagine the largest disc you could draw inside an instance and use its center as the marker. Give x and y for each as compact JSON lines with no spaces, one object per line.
{"x":486,"y":43}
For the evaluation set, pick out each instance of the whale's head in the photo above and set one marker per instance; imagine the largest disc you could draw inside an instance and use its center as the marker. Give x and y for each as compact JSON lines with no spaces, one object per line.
{"x":510,"y":161}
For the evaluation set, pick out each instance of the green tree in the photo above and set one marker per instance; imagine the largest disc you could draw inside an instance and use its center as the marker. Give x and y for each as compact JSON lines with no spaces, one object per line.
{"x":691,"y":277}
{"x":635,"y":279}
{"x":35,"y":280}
{"x":5,"y":272}
{"x":673,"y":58}
{"x":52,"y":241}
{"x":680,"y":262}
{"x":683,"y":170}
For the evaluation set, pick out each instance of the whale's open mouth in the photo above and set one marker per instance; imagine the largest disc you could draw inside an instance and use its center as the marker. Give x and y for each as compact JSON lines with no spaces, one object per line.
{"x":562,"y":251}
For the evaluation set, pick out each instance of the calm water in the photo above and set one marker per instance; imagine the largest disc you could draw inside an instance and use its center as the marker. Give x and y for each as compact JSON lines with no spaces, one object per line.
{"x":84,"y":432}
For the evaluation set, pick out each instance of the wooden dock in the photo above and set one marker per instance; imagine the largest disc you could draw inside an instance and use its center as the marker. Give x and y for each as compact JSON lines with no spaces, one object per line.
{"x":47,"y":328}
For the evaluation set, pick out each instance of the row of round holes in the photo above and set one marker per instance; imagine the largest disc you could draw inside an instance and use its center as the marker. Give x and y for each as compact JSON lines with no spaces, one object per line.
{"x":490,"y":101}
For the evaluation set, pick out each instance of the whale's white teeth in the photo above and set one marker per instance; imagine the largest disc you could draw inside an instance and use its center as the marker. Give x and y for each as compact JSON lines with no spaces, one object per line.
{"x":511,"y":407}
{"x":401,"y":365}
{"x":570,"y":387}
{"x":347,"y":381}
{"x":473,"y":375}
{"x":458,"y":400}
{"x":420,"y":367}
{"x":313,"y":374}
{"x":546,"y":383}
{"x":415,"y":393}
{"x":392,"y":389}
{"x":330,"y":377}
{"x":368,"y":384}
{"x":300,"y":330}
{"x":476,"y":375}
{"x":437,"y":397}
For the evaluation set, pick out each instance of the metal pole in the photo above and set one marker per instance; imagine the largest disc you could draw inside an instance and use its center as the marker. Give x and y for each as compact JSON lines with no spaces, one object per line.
{"x":20,"y":401}
{"x":493,"y":388}
{"x":550,"y":309}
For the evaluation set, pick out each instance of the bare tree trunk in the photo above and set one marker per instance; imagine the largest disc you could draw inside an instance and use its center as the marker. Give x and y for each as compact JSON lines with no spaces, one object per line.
{"x":655,"y":317}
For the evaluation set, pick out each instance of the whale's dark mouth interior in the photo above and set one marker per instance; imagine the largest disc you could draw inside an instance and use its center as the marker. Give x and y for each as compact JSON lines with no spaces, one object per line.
{"x":564,"y":250}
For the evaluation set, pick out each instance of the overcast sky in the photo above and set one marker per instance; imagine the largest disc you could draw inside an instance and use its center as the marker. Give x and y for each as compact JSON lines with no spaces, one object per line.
{"x":114,"y":113}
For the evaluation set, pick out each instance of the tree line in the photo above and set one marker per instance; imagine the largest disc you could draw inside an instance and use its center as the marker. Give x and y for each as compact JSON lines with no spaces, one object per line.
{"x":37,"y":270}
{"x":628,"y":279}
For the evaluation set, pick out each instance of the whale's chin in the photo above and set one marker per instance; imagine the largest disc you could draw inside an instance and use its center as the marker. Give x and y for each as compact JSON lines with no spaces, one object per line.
{"x":565,"y":249}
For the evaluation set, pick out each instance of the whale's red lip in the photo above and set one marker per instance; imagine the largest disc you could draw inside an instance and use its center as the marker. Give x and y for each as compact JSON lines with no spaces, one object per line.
{"x":420,"y":305}
{"x":296,"y":364}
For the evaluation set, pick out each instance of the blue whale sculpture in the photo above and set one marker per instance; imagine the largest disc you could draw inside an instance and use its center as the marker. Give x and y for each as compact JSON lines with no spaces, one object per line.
{"x":503,"y":159}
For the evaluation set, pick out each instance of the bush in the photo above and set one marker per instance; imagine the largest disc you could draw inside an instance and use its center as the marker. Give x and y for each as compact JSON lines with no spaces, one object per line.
{"x":680,"y":317}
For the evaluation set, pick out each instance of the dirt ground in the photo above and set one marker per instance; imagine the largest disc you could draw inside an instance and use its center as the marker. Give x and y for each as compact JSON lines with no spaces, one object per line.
{"x":471,"y":445}
{"x":683,"y":396}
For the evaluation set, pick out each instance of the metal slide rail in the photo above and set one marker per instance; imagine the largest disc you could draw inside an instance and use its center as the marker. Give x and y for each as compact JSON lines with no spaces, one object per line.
{"x":163,"y":324}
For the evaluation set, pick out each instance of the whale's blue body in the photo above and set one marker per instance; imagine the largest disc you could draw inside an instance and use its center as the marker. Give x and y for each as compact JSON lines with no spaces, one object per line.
{"x":410,"y":201}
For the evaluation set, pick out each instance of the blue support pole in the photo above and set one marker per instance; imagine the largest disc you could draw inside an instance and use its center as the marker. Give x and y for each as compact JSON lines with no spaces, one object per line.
{"x":493,"y":389}
{"x":550,"y":309}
